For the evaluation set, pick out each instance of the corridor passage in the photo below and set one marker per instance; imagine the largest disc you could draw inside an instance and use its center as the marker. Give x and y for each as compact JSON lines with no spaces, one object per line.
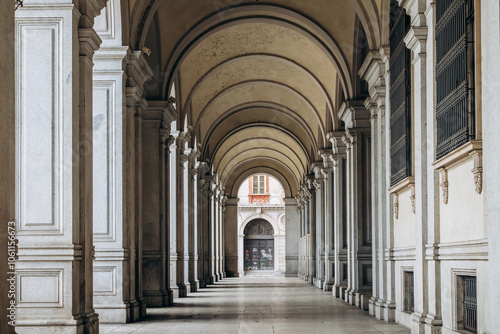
{"x":258,"y":305}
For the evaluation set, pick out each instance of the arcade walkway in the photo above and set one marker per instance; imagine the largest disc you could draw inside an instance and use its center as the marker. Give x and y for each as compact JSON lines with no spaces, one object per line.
{"x":258,"y":305}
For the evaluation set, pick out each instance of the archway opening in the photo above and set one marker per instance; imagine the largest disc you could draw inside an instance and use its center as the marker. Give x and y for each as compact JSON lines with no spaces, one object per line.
{"x":261,"y":226}
{"x":258,"y":246}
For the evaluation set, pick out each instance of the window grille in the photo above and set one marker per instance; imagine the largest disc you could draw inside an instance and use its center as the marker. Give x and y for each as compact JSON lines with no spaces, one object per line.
{"x":470,"y":304}
{"x":409,"y":302}
{"x":454,"y":74}
{"x":400,"y":94}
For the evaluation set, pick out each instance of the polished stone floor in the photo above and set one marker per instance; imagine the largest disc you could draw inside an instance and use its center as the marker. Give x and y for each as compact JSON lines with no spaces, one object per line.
{"x":258,"y":305}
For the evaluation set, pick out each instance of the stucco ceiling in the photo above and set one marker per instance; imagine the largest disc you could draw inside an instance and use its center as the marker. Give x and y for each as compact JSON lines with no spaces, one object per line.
{"x":258,"y":84}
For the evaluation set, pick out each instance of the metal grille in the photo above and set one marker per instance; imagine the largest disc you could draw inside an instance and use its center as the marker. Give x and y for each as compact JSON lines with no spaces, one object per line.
{"x":454,"y":74}
{"x":400,"y":94}
{"x":410,"y":292}
{"x":470,"y":304}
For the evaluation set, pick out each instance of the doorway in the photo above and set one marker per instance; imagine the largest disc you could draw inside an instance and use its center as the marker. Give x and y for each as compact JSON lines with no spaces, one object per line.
{"x":258,"y":246}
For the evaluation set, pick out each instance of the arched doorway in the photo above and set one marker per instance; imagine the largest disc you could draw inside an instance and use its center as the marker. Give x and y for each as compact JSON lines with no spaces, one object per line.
{"x":258,"y":250}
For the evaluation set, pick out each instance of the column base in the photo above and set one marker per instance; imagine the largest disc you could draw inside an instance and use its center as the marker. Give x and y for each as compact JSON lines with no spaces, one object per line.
{"x":336,"y":291}
{"x":389,"y":311}
{"x":194,"y":286}
{"x":350,"y":297}
{"x":209,"y":280}
{"x":115,"y":314}
{"x":328,"y":286}
{"x":202,"y":284}
{"x":417,"y":323}
{"x":433,"y":325}
{"x":361,"y":300}
{"x":373,"y":308}
{"x":181,"y":290}
{"x":157,"y":298}
{"x":320,"y":283}
{"x":342,"y":292}
{"x":142,"y":306}
{"x":89,"y":324}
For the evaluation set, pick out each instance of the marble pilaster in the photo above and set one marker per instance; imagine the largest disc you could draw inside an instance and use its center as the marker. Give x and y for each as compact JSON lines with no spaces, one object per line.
{"x":357,"y":140}
{"x":292,"y":237}
{"x":55,"y":43}
{"x":339,"y":219}
{"x":7,"y":151}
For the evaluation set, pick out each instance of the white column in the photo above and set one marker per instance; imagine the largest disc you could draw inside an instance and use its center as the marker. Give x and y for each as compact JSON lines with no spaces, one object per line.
{"x":192,"y":206}
{"x":55,"y":43}
{"x":114,"y":170}
{"x":154,"y":207}
{"x":172,"y":206}
{"x":213,"y":233}
{"x":292,"y":237}
{"x":311,"y":216}
{"x":203,"y":226}
{"x":232,"y":251}
{"x":357,"y":140}
{"x":339,"y":222}
{"x":375,"y":72}
{"x":7,"y":152}
{"x":416,"y":41}
{"x":300,"y":273}
{"x":181,"y":225}
{"x":490,"y":51}
{"x":351,"y":238}
{"x":320,"y":225}
{"x":222,"y":209}
{"x":328,"y":212}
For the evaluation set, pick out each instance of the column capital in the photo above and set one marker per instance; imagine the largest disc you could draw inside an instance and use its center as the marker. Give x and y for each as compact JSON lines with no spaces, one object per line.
{"x":169,"y":141}
{"x":138,"y":72}
{"x":415,"y":40}
{"x":326,"y":155}
{"x":338,"y":146}
{"x":203,"y":169}
{"x":349,"y":138}
{"x":89,"y":41}
{"x":373,"y":70}
{"x":354,"y":114}
{"x":183,"y":158}
{"x":164,"y":135}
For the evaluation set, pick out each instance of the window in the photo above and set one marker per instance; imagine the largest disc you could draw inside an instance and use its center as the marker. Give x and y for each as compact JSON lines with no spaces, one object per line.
{"x":259,"y":189}
{"x":259,"y":185}
{"x":466,"y":304}
{"x":455,"y":110}
{"x":400,"y":95}
{"x":409,"y":294}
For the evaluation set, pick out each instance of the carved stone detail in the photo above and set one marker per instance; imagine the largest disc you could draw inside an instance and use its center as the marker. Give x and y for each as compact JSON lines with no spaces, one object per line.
{"x":443,"y":183}
{"x":396,"y":205}
{"x":478,"y":179}
{"x":478,"y":170}
{"x":412,"y":198}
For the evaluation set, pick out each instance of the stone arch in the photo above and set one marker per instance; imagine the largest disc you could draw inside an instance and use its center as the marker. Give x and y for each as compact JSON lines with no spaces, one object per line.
{"x":295,"y":21}
{"x":258,"y":226}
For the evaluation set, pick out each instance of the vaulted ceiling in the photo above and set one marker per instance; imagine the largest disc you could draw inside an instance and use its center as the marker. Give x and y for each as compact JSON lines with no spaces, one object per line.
{"x":258,"y":84}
